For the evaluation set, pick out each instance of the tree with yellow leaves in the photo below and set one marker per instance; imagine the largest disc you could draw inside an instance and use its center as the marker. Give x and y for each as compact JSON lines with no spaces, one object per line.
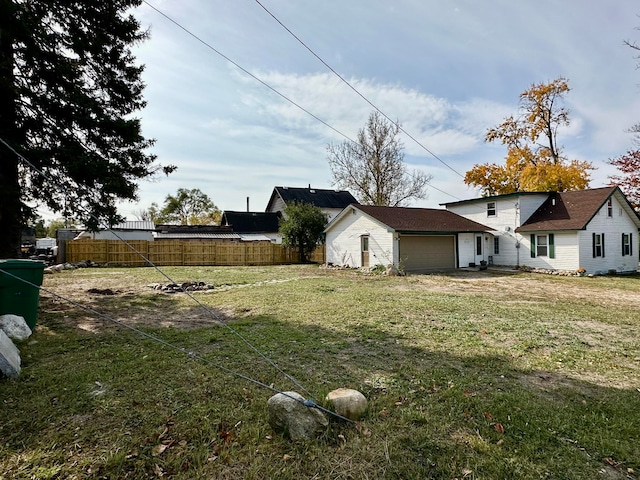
{"x":534,"y":161}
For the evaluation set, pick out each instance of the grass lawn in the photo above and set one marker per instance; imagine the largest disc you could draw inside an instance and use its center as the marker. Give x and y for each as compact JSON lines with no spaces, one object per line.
{"x":474,"y":375}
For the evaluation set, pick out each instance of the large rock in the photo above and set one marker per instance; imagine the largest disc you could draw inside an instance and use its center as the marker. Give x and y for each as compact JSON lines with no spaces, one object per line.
{"x":288,"y":414}
{"x":347,"y":402}
{"x":9,"y":357}
{"x":14,"y":326}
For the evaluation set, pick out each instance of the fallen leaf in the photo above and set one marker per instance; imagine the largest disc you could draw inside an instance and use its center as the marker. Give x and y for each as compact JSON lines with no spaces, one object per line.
{"x":384,"y":413}
{"x":158,"y":449}
{"x":488,"y":415}
{"x":466,"y":472}
{"x":466,"y":393}
{"x":226,"y":437}
{"x":499,"y":428}
{"x":269,"y":437}
{"x":158,"y":470}
{"x":286,"y":457}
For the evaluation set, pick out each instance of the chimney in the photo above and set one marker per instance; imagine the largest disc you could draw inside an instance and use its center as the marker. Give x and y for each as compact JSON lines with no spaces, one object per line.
{"x":309,"y":186}
{"x":248,"y":205}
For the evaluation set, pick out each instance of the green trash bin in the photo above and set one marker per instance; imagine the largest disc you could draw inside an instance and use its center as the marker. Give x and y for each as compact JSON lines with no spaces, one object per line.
{"x":16,"y":296}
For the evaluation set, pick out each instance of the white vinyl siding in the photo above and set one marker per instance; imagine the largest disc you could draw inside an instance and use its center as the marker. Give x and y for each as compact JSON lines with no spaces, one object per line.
{"x":565,"y":254}
{"x":612,"y":228}
{"x":511,"y":212}
{"x":343,"y":241}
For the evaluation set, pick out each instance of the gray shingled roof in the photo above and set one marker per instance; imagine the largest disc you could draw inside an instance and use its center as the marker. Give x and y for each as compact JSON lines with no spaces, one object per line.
{"x":321,"y":198}
{"x":422,"y":220}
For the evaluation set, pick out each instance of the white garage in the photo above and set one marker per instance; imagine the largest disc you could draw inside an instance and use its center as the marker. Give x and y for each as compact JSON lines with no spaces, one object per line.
{"x":413,"y":239}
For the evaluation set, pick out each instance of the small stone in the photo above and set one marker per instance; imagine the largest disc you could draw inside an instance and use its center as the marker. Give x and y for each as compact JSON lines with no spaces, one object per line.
{"x":289,"y":415}
{"x":348,"y":402}
{"x":15,"y":327}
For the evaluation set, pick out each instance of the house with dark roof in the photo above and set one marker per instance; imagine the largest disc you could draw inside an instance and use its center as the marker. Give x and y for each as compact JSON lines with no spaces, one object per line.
{"x":414,"y":239}
{"x":253,"y":224}
{"x":595,"y":230}
{"x":330,"y":202}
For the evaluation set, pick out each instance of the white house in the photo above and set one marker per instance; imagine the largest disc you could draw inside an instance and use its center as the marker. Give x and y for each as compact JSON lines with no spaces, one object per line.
{"x":594,"y":229}
{"x":414,"y":239}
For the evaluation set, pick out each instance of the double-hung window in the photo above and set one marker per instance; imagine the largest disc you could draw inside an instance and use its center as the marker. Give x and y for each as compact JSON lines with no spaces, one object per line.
{"x":491,"y":209}
{"x":543,"y":245}
{"x":597,"y":240}
{"x":627,"y":249}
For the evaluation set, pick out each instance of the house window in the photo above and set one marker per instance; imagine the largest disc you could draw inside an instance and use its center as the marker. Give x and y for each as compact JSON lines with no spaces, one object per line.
{"x":598,"y":244}
{"x":543,"y":246}
{"x":496,"y":245}
{"x":626,"y":244}
{"x":491,"y":209}
{"x":610,"y":208}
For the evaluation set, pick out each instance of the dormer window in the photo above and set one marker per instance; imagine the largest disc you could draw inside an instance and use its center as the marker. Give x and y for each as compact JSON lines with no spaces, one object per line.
{"x":491,"y":209}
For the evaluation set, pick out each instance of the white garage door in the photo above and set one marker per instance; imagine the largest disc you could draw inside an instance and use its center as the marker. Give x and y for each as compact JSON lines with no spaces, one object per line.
{"x":427,"y":253}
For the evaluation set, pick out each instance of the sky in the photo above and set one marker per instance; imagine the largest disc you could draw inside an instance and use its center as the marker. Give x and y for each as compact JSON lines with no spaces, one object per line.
{"x":447,"y":71}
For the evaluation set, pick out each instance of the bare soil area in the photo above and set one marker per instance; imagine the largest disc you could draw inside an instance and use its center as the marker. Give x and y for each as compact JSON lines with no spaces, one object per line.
{"x":112,"y":292}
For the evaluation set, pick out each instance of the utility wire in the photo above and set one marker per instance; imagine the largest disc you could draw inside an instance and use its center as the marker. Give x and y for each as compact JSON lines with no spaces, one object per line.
{"x":262,"y":82}
{"x":159,"y":270}
{"x":212,"y":48}
{"x":357,"y":91}
{"x":193,"y":355}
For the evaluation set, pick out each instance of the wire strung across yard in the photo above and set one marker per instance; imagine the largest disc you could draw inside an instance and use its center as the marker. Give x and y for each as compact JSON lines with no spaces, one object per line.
{"x":309,"y":402}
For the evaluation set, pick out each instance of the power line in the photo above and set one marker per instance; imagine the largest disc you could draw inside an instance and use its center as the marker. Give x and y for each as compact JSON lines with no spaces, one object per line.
{"x":193,"y":355}
{"x":60,"y":188}
{"x":283,"y":96}
{"x":212,"y":48}
{"x":357,"y":91}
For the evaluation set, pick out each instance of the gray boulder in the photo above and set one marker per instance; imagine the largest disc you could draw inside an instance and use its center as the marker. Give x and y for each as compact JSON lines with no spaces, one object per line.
{"x":348,"y":402}
{"x":9,"y":357}
{"x":289,"y":415}
{"x":14,"y":326}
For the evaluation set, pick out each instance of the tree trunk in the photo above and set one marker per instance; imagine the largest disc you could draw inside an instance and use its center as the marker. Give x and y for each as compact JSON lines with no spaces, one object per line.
{"x":10,"y":204}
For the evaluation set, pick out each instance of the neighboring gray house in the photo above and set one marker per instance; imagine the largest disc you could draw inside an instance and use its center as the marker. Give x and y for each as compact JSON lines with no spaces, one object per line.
{"x":331,"y":202}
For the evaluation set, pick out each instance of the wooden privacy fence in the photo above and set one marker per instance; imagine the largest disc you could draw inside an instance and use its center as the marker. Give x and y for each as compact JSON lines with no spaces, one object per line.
{"x":179,"y":252}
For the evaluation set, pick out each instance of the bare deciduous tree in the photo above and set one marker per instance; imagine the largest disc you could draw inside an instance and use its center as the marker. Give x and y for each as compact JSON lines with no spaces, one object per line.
{"x":373,"y":167}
